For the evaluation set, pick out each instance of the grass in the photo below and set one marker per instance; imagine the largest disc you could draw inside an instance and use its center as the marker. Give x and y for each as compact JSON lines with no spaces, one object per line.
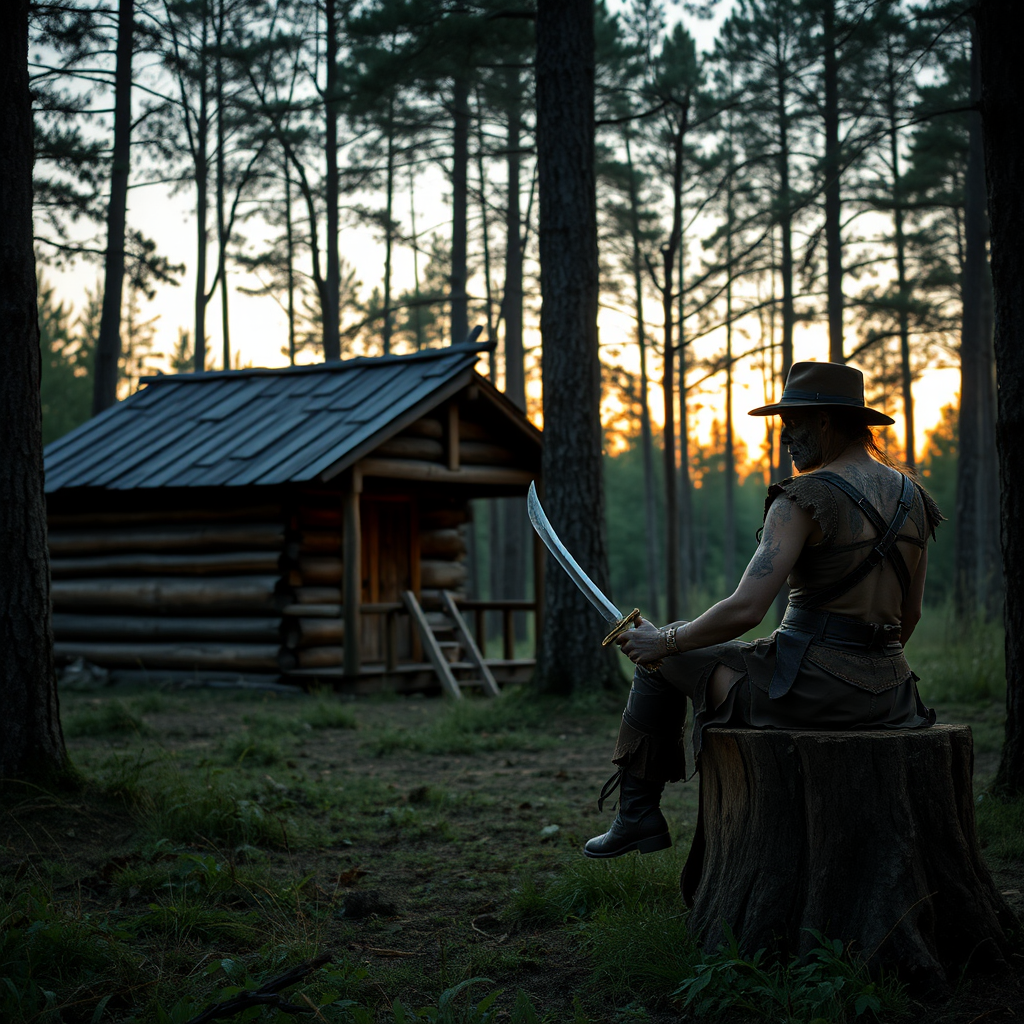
{"x":221,"y":837}
{"x":826,"y":986}
{"x":471,"y":726}
{"x":959,"y":663}
{"x":103,"y":718}
{"x":1000,"y":825}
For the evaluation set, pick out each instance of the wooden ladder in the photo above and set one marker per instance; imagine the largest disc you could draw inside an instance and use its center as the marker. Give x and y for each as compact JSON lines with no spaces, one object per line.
{"x":444,"y":668}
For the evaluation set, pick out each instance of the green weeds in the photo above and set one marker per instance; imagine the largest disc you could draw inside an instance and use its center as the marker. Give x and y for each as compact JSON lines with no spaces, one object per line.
{"x":828,"y":986}
{"x":1000,"y":825}
{"x":958,"y":662}
{"x":103,"y":717}
{"x":473,"y":725}
{"x":628,"y":918}
{"x":326,"y":713}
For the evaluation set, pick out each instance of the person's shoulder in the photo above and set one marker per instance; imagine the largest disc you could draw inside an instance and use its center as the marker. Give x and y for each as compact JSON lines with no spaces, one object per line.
{"x":814,"y":495}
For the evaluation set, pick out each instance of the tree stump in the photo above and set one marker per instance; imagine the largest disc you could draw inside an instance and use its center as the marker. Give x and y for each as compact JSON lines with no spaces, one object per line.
{"x":863,"y":836}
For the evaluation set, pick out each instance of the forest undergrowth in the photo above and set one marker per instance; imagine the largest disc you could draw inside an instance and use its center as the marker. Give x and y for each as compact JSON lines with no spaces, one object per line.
{"x":431,"y":848}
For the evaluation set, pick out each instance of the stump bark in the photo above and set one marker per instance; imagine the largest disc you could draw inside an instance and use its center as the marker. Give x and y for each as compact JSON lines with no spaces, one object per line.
{"x":863,"y":836}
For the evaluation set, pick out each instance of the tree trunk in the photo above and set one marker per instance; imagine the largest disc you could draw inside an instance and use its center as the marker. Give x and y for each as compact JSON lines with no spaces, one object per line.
{"x":646,"y":440}
{"x":903,"y":289}
{"x":729,"y":541}
{"x":332,"y":309}
{"x":570,"y":657}
{"x":290,"y":246}
{"x":202,"y":203}
{"x":222,"y":230}
{"x":786,"y":238}
{"x":460,"y":187}
{"x":516,"y":546}
{"x":108,"y":344}
{"x":687,"y":557}
{"x":969,"y":444}
{"x":1002,"y":97}
{"x":977,"y":587}
{"x":31,"y":742}
{"x":512,"y":298}
{"x":668,"y":390}
{"x":833,"y":202}
{"x":669,"y":252}
{"x":417,"y":309}
{"x":388,"y":231}
{"x":862,"y":836}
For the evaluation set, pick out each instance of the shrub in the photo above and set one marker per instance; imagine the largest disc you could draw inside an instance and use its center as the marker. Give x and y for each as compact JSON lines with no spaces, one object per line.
{"x":827,"y":986}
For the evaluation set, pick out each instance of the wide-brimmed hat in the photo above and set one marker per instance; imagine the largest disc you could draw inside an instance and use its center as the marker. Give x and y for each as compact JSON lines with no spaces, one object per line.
{"x":824,"y":384}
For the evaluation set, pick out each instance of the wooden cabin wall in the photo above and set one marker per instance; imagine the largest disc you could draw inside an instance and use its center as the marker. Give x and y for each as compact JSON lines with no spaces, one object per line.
{"x":236,"y":580}
{"x":390,"y":564}
{"x":157,"y":584}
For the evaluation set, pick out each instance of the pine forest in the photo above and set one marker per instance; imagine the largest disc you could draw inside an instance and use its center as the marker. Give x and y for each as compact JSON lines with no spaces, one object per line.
{"x":776,"y":180}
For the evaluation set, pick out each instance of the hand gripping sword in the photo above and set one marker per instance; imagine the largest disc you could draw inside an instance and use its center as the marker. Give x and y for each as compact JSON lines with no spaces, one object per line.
{"x":619,"y":623}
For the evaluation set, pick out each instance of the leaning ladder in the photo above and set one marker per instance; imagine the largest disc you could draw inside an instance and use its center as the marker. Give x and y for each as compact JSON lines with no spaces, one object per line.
{"x":444,"y":669}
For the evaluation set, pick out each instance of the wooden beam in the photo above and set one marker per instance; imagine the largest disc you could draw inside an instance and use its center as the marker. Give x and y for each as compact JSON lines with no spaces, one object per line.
{"x":147,"y":563}
{"x":411,"y":469}
{"x":171,"y":594}
{"x":453,"y":435}
{"x":76,"y":520}
{"x":260,"y":657}
{"x":165,"y":627}
{"x":353,"y":567}
{"x":247,"y":536}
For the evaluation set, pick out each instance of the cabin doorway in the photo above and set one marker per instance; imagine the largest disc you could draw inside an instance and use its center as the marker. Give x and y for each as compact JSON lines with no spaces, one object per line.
{"x":391,"y":564}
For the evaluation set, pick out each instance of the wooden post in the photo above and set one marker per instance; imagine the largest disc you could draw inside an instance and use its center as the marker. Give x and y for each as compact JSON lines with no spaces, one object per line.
{"x":453,"y":435}
{"x":353,"y":569}
{"x":539,"y":557}
{"x":390,"y":640}
{"x":480,"y":624}
{"x":509,"y":630}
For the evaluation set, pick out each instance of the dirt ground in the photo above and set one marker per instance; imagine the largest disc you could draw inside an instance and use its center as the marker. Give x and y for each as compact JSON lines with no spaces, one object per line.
{"x":416,"y":858}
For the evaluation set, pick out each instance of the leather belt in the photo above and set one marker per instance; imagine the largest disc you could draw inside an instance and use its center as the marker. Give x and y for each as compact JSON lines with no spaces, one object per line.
{"x":827,"y":626}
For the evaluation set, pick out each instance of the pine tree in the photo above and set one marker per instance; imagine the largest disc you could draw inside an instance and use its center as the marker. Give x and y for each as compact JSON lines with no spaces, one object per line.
{"x":570,"y":658}
{"x":31,"y":742}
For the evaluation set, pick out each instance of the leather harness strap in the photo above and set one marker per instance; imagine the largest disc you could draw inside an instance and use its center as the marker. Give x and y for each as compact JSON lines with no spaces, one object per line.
{"x":885,"y":547}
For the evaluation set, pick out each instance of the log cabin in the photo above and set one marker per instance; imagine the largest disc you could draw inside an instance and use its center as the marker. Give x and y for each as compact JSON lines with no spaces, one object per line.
{"x":307,"y":523}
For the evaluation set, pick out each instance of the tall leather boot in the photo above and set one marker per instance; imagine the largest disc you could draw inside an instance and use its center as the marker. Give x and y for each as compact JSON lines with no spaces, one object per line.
{"x":639,"y":825}
{"x":649,"y":752}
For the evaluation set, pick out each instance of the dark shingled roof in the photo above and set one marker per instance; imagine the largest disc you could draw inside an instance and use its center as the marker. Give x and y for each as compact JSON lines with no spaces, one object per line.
{"x":255,"y":427}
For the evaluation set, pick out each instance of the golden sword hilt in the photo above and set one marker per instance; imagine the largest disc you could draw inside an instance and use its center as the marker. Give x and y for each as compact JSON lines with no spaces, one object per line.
{"x":626,"y":623}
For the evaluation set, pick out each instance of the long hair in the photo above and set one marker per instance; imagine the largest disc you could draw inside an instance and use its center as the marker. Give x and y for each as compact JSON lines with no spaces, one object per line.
{"x":849,"y":428}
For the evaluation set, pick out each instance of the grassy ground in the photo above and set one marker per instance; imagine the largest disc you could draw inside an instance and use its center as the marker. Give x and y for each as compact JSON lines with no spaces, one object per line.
{"x":433,"y":848}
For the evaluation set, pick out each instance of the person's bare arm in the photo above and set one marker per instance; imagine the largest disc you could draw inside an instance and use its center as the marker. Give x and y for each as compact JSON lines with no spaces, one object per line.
{"x":915,"y":596}
{"x":786,"y":531}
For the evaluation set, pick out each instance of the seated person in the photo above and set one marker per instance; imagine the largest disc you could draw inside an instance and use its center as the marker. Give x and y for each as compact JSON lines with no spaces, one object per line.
{"x":850,"y":533}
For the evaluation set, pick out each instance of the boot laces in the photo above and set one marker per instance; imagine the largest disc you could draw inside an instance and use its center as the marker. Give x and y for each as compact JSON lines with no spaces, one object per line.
{"x":608,"y":788}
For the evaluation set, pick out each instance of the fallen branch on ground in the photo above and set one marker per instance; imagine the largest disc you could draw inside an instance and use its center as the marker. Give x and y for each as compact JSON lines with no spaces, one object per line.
{"x":267,"y":995}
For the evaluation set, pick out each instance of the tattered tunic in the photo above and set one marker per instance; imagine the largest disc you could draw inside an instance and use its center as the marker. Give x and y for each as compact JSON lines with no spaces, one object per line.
{"x":834,"y":666}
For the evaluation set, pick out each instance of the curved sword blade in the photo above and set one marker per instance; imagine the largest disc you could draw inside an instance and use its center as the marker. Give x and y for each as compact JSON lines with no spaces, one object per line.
{"x":558,"y":551}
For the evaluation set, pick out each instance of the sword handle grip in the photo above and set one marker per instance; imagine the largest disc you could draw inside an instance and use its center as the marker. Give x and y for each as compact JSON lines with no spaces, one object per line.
{"x":624,"y":624}
{"x":627,"y":622}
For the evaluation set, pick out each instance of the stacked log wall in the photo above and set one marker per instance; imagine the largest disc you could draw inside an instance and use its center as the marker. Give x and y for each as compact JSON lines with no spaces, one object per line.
{"x":250,"y":583}
{"x":314,"y":629}
{"x":180,"y":589}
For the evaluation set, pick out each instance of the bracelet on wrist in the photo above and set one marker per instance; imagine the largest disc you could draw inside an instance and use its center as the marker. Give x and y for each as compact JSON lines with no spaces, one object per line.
{"x":669,"y":633}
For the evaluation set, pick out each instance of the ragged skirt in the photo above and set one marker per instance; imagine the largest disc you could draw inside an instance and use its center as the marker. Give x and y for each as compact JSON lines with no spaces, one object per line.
{"x":838,"y":686}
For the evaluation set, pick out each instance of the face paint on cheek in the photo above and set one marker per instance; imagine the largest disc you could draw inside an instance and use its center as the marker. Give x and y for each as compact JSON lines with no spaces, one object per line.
{"x":804,"y":446}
